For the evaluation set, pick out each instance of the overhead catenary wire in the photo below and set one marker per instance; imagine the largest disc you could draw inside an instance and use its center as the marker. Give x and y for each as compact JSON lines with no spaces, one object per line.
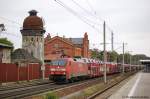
{"x":14,"y":22}
{"x":92,"y":9}
{"x":92,"y":14}
{"x":4,"y":33}
{"x":107,"y":27}
{"x":17,"y":25}
{"x":88,"y":12}
{"x":84,"y":19}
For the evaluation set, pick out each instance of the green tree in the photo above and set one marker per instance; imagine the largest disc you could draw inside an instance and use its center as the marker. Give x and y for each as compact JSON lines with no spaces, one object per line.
{"x":5,"y":41}
{"x":113,"y":56}
{"x":96,"y":54}
{"x":126,"y":58}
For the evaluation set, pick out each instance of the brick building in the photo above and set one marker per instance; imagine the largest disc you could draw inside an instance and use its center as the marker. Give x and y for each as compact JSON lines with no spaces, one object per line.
{"x":5,"y":53}
{"x":57,"y":47}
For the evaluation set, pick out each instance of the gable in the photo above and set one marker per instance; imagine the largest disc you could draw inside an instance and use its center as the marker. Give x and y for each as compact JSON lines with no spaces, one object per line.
{"x":57,"y":39}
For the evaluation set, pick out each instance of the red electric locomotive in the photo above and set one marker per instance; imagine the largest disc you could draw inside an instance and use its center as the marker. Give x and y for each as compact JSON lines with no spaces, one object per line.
{"x":67,"y":69}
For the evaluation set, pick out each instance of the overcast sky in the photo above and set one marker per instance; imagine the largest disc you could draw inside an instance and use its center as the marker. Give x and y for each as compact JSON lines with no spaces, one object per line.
{"x":129,"y":20}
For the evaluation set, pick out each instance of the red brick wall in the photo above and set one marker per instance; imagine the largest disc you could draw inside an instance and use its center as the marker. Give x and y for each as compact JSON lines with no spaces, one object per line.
{"x":78,"y":52}
{"x":55,"y":46}
{"x":85,"y":46}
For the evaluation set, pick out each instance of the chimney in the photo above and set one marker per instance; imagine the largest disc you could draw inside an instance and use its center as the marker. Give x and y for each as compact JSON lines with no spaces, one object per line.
{"x":48,"y":36}
{"x":85,"y":35}
{"x":70,"y":39}
{"x":63,"y":36}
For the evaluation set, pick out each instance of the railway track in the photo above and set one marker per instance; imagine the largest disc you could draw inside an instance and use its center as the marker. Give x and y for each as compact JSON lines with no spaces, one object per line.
{"x":23,"y":85}
{"x":28,"y":91}
{"x":23,"y":92}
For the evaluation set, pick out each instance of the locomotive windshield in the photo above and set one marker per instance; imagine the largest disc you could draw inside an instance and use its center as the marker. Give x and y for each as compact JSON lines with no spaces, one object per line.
{"x":58,"y":63}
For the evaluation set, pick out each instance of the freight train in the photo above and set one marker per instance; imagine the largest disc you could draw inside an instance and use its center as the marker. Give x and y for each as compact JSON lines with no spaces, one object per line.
{"x":74,"y":69}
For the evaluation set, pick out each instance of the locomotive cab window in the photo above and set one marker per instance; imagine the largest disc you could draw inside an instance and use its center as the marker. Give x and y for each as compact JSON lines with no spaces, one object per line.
{"x":58,"y":62}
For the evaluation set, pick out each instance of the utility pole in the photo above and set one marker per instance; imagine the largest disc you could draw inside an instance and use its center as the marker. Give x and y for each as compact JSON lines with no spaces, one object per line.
{"x":43,"y":65}
{"x":123,"y":58}
{"x":105,"y":58}
{"x":130,"y":59}
{"x":112,"y":41}
{"x":130,"y":62}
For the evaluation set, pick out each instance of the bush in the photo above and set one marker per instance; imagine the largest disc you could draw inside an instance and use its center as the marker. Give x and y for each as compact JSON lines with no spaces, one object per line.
{"x":5,"y":41}
{"x":51,"y":96}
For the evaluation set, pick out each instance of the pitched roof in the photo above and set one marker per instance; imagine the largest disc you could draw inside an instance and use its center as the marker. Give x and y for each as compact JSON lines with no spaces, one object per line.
{"x":145,"y":61}
{"x":22,"y":55}
{"x":5,"y":45}
{"x":70,"y":41}
{"x":76,"y":40}
{"x":62,"y":39}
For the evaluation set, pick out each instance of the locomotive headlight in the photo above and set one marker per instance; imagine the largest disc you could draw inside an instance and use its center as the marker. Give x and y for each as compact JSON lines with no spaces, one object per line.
{"x":52,"y":69}
{"x":52,"y":72}
{"x":57,"y":69}
{"x":63,"y":69}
